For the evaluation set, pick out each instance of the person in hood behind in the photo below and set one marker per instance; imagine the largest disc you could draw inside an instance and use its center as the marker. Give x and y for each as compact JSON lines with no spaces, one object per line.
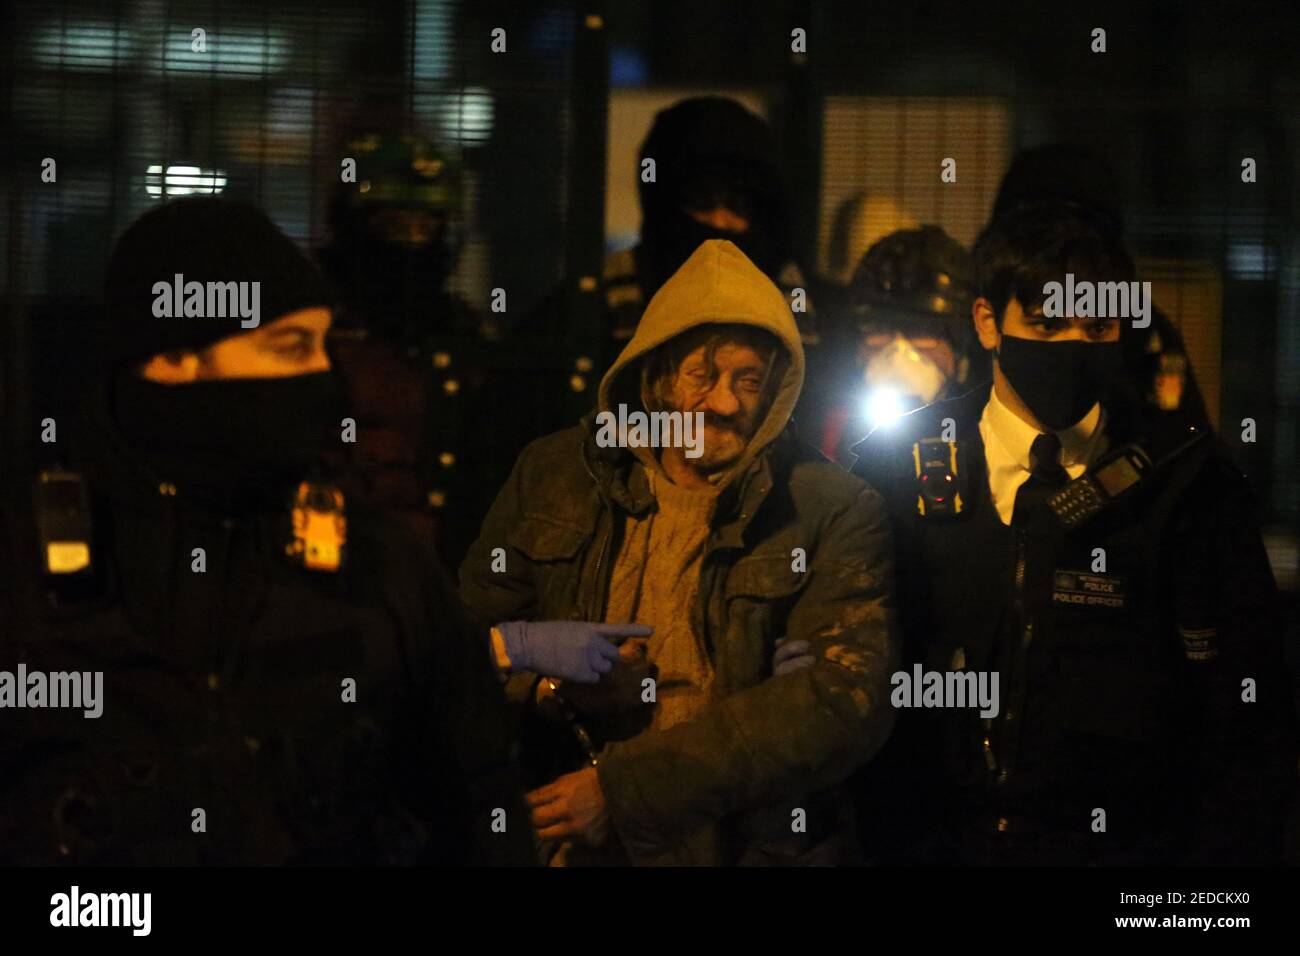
{"x":265,"y":699}
{"x":736,"y":554}
{"x":716,"y":176}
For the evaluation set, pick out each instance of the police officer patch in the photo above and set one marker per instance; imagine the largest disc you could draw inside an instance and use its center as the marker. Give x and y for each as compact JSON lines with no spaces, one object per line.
{"x":1198,"y":642}
{"x":1083,"y":589}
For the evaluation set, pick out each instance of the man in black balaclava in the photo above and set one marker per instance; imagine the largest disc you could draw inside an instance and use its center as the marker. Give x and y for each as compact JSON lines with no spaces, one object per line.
{"x":1157,"y":369}
{"x":395,"y":240}
{"x":716,"y":176}
{"x":260,"y":401}
{"x":285,"y":679}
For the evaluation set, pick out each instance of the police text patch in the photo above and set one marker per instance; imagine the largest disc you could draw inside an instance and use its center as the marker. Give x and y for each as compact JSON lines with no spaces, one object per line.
{"x":1087,"y":590}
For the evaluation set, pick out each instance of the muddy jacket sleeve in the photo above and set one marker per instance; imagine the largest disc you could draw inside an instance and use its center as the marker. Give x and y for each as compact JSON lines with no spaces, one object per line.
{"x":788,"y":736}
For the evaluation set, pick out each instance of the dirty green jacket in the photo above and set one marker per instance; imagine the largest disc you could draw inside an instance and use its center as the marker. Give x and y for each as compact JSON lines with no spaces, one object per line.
{"x":798,"y":548}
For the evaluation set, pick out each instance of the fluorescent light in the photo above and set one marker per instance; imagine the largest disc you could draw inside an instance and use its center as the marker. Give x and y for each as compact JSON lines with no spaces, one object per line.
{"x":184,"y":181}
{"x":237,"y":55}
{"x":466,"y":117}
{"x":88,"y":45}
{"x":1251,"y":260}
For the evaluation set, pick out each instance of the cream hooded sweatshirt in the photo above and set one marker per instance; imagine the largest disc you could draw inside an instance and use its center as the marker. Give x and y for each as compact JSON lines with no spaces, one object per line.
{"x":656,"y":573}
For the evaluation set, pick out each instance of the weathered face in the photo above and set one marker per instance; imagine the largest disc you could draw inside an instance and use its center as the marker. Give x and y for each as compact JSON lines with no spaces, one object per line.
{"x":730,"y":394}
{"x":293,"y":344}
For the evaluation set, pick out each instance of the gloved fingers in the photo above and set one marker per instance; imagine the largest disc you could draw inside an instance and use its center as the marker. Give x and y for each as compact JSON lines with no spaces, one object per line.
{"x":600,"y":661}
{"x":603,"y":651}
{"x":617,"y":632}
{"x":795,"y":664}
{"x":583,"y":670}
{"x":787,"y":648}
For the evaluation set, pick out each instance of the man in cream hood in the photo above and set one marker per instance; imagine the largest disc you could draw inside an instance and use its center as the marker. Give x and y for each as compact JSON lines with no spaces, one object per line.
{"x":736,"y":553}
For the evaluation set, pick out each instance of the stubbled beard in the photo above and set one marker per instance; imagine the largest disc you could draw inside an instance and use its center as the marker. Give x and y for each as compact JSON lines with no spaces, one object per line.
{"x":718,"y":455}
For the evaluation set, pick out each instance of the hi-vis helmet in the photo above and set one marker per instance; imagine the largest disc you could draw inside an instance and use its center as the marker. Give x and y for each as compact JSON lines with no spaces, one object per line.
{"x":408,"y":191}
{"x":915,"y":284}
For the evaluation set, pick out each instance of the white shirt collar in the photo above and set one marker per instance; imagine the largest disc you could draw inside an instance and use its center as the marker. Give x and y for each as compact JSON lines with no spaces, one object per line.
{"x":1015,"y":435}
{"x":1007,"y":440}
{"x":1011,"y":432}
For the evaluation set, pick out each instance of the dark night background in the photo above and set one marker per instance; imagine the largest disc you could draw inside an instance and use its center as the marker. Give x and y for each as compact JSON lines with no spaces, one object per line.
{"x":547,"y":135}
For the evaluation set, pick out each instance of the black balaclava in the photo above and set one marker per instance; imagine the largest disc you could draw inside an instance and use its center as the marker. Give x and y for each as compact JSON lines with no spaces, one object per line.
{"x":236,"y":445}
{"x":1059,"y":381}
{"x":1063,"y":172}
{"x":231,"y":444}
{"x":394,"y":289}
{"x":710,"y":150}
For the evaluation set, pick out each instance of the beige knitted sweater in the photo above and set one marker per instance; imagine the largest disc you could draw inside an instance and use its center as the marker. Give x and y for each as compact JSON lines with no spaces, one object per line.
{"x":655,"y":578}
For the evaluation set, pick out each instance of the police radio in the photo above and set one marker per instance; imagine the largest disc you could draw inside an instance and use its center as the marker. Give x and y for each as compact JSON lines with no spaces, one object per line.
{"x":938,"y":485}
{"x":1113,"y":477}
{"x":320,"y":527}
{"x":63,"y":524}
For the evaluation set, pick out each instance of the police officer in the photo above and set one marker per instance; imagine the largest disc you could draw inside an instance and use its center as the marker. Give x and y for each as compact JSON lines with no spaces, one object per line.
{"x":906,"y":340}
{"x":1157,"y":368}
{"x":285,"y":678}
{"x":404,"y":343}
{"x":1141,"y":713}
{"x":397,"y":233}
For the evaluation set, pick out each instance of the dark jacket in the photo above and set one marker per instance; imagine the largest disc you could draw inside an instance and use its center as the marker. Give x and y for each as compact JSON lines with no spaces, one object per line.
{"x":720,"y":788}
{"x":223,"y":691}
{"x":1132,"y":704}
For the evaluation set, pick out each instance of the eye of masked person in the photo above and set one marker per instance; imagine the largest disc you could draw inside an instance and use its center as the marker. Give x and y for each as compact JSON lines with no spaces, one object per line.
{"x":291,"y":345}
{"x":1092,"y":329}
{"x":407,"y":226}
{"x":922,"y":343}
{"x":719,"y":204}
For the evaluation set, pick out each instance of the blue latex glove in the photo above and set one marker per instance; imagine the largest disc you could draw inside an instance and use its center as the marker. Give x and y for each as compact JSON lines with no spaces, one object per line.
{"x":791,"y":656}
{"x":579,"y":651}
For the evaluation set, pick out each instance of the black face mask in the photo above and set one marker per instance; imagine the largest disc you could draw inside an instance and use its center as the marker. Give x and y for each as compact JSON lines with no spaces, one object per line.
{"x":237,"y":445}
{"x":672,"y":242}
{"x":1059,"y":381}
{"x":395,"y":290}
